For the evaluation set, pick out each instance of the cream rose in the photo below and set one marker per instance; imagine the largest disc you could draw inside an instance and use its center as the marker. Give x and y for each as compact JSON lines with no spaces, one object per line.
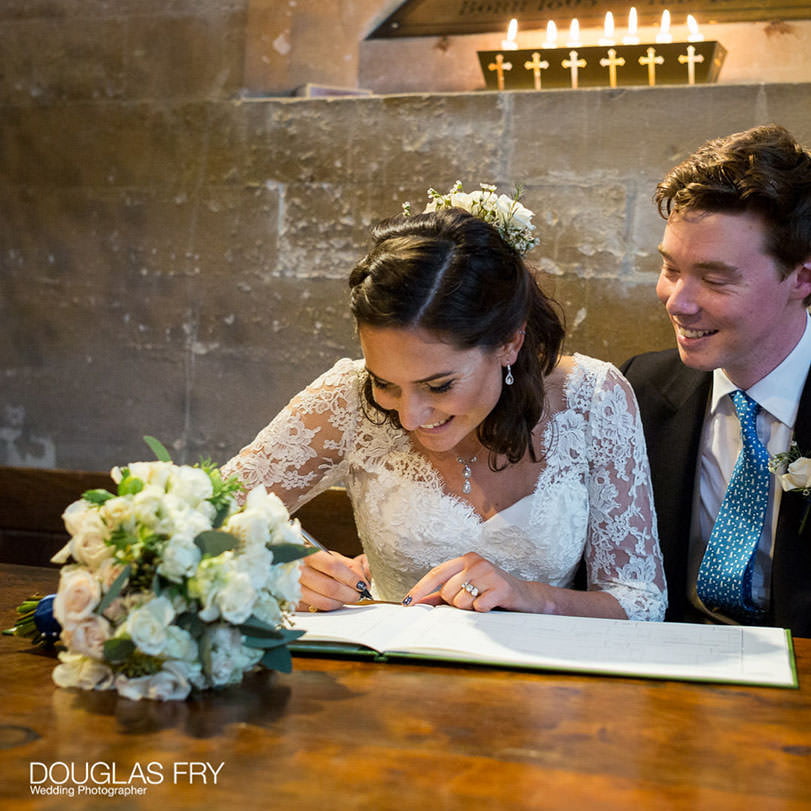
{"x":88,"y":636}
{"x":78,"y":595}
{"x":76,"y":670}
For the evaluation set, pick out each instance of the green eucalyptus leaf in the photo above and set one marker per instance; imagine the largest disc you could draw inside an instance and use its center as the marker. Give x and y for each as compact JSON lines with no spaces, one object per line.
{"x":213,"y":542}
{"x":117,"y":651}
{"x":158,"y":448}
{"x":115,"y":589}
{"x":278,"y":659}
{"x":189,"y":621}
{"x":288,"y":552}
{"x":97,"y":496}
{"x":253,"y":626}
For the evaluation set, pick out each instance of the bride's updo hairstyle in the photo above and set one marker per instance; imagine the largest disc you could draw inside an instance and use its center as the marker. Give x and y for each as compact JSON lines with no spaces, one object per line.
{"x":451,"y":274}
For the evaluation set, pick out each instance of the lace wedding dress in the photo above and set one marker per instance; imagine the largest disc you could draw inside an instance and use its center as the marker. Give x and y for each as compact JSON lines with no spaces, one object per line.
{"x":592,"y":499}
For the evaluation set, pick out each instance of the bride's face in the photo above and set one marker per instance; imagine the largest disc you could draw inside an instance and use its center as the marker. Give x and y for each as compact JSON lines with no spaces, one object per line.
{"x":440,"y":393}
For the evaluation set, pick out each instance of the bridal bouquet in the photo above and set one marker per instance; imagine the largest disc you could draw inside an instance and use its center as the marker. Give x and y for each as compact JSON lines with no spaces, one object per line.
{"x":169,"y":584}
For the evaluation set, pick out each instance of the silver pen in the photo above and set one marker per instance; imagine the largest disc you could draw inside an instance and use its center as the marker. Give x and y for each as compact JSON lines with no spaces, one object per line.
{"x":360,"y":585}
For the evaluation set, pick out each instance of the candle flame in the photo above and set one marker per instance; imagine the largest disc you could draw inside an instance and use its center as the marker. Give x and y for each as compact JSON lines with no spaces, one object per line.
{"x":574,"y":32}
{"x":551,"y":33}
{"x":664,"y":34}
{"x":692,"y":27}
{"x":512,"y":29}
{"x":608,"y":26}
{"x":632,"y":37}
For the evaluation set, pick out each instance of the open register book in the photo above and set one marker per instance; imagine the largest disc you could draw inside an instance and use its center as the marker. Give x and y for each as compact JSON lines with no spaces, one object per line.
{"x":712,"y":653}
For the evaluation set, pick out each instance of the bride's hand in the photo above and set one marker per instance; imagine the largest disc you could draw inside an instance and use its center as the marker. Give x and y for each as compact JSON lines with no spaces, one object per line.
{"x":470,"y":582}
{"x":330,"y":580}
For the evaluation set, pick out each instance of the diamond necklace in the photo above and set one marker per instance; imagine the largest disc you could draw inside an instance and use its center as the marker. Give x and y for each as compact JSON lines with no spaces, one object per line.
{"x":466,"y":472}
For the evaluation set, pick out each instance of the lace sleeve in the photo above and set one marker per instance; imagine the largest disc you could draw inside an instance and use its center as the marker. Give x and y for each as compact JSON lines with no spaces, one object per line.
{"x":622,"y":551}
{"x":302,"y":451}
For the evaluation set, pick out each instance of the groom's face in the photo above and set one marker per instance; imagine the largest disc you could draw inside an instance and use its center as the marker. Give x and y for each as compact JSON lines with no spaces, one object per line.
{"x":725,"y":297}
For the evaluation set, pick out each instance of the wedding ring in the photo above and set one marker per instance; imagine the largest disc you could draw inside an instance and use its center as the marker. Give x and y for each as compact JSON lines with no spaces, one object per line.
{"x":312,"y":609}
{"x":470,"y":589}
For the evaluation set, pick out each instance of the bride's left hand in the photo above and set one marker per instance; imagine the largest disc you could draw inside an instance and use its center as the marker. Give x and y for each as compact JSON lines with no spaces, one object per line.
{"x":470,"y":582}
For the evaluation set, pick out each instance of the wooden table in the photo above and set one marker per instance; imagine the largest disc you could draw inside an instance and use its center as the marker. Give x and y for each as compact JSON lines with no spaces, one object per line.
{"x":358,"y":735}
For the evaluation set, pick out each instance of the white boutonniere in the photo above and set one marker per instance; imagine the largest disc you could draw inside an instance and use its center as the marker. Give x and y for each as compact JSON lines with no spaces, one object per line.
{"x":793,"y":472}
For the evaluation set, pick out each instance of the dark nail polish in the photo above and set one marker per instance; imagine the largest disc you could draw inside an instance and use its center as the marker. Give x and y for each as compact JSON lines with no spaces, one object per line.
{"x":407,"y":600}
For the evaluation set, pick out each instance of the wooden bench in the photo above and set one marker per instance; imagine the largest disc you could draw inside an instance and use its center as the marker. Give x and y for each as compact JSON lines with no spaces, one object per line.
{"x":32,"y":501}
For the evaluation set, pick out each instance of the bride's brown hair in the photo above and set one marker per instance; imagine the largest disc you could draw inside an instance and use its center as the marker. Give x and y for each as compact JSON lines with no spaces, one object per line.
{"x":451,"y":273}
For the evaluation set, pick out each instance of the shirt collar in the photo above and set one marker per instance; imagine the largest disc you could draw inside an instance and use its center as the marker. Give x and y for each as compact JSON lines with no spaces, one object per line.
{"x":779,"y":392}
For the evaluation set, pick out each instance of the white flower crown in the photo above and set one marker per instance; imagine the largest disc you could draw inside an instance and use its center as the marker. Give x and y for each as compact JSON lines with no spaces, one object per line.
{"x":512,"y":219}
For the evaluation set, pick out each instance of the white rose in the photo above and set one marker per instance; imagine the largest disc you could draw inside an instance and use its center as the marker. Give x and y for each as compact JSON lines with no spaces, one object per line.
{"x":250,"y":526}
{"x":255,"y":561}
{"x":147,"y":505}
{"x":118,"y":512}
{"x":133,"y":688}
{"x":147,"y":625}
{"x":236,"y":598}
{"x":205,"y":584}
{"x":224,"y":644}
{"x":267,"y":608}
{"x":269,"y":504}
{"x":77,"y":514}
{"x":78,"y":595}
{"x":798,"y":475}
{"x":154,"y":473}
{"x":284,"y":582}
{"x":80,"y":671}
{"x":168,"y":684}
{"x":180,"y":645}
{"x":88,"y":636}
{"x":180,"y":558}
{"x":190,"y":484}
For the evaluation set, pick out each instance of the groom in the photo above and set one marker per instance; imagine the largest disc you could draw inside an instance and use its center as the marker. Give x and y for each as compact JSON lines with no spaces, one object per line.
{"x":736,"y":284}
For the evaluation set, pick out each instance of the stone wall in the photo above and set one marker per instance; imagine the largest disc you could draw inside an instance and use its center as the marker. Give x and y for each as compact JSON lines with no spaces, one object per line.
{"x":173,"y":254}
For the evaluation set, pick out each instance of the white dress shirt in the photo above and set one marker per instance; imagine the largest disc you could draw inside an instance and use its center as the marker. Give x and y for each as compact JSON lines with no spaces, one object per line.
{"x":778,"y":395}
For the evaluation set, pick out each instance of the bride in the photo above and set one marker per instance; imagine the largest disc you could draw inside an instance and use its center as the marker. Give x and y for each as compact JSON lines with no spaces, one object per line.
{"x":484,"y":467}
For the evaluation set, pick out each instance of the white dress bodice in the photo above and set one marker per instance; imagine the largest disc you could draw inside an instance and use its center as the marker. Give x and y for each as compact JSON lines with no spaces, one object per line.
{"x":592,"y":499}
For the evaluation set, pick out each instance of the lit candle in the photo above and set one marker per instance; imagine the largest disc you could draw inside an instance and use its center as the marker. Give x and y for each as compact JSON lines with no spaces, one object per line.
{"x":551,"y":35}
{"x":632,"y":37}
{"x":574,"y":34}
{"x":509,"y":44}
{"x":608,"y":30}
{"x":664,"y":34}
{"x":694,"y":35}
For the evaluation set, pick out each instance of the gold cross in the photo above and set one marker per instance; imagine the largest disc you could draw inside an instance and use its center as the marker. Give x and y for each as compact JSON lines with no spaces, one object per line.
{"x":651,"y":61}
{"x":691,"y":60}
{"x":611,"y":63}
{"x":573,"y":63}
{"x":536,"y":66}
{"x":500,"y":66}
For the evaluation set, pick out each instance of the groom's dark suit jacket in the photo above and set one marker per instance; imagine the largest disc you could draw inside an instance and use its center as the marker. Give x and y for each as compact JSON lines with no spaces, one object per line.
{"x":672,"y":401}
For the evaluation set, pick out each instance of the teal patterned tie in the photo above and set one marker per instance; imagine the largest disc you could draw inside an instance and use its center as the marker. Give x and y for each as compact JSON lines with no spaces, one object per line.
{"x":725,"y":577}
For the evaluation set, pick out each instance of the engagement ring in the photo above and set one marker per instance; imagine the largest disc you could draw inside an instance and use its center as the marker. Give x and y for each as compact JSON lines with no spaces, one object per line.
{"x":470,"y":589}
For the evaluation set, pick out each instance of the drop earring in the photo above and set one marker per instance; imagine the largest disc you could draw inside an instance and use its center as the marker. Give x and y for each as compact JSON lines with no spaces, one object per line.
{"x":508,"y":378}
